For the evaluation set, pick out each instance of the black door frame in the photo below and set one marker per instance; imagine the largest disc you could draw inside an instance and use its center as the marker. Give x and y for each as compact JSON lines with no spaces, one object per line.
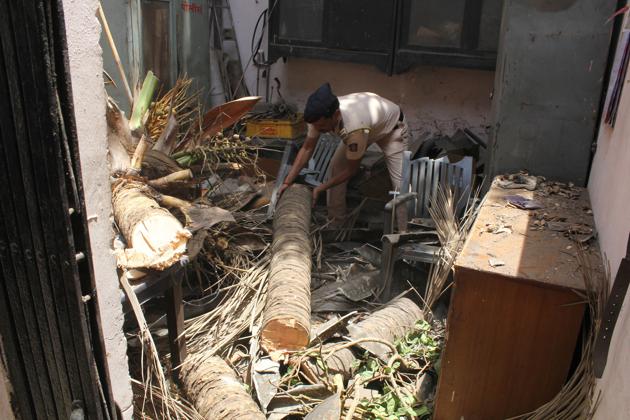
{"x":49,"y":324}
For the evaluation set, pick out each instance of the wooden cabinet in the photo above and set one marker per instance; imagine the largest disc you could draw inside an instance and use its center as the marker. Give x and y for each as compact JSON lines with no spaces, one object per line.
{"x":513,"y":326}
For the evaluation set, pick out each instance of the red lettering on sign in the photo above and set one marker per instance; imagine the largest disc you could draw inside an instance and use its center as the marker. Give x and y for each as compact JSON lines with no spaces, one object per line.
{"x":192,"y":7}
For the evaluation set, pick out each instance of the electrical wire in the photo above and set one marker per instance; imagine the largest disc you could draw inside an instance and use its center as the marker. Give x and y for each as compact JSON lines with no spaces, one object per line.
{"x":254,"y":50}
{"x":266,"y":14}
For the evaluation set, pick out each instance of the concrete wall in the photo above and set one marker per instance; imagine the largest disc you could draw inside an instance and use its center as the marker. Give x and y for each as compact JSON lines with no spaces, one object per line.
{"x":548,"y":87}
{"x":434,"y":99}
{"x":610,"y":198}
{"x":86,"y":66}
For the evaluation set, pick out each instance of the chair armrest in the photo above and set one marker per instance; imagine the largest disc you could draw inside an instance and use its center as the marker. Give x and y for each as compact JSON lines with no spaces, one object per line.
{"x":388,"y":226}
{"x":403,"y":198}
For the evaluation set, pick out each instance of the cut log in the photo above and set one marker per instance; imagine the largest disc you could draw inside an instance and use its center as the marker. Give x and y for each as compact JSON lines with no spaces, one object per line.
{"x":342,"y":362}
{"x":155,"y":238}
{"x":287,"y":313}
{"x":397,"y":318}
{"x":215,"y":391}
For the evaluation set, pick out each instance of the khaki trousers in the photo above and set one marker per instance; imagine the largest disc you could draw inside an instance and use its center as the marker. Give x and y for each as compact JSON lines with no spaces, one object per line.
{"x":393,"y":145}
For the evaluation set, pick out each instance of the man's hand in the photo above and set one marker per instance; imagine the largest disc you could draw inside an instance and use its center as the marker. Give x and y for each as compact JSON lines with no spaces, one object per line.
{"x":316,"y":192}
{"x":283,"y":187}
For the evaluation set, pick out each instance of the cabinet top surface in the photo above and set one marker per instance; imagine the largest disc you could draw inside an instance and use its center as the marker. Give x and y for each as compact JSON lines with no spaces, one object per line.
{"x":539,"y":245}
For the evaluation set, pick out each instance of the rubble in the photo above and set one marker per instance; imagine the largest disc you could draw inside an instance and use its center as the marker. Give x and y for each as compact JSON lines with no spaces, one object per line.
{"x":350,"y":355}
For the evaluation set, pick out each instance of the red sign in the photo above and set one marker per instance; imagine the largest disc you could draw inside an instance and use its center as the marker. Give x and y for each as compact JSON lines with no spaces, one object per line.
{"x":192,"y":7}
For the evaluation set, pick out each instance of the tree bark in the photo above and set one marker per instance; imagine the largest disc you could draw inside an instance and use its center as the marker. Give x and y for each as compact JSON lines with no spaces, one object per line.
{"x":216,"y":392}
{"x":155,"y":238}
{"x":287,"y":313}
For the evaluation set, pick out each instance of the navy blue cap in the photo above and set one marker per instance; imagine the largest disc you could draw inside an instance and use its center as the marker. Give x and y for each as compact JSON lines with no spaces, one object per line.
{"x":321,"y":104}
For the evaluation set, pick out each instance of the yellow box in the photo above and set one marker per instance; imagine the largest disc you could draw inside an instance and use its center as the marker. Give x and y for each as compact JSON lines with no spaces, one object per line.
{"x":276,"y":129}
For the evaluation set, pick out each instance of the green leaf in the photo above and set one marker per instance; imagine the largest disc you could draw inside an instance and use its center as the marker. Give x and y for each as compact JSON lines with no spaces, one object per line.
{"x":391,"y":405}
{"x":142,"y":102}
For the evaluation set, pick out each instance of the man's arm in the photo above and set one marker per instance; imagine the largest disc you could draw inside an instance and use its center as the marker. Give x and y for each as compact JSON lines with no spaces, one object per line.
{"x":356,"y":144}
{"x":343,"y":176}
{"x":304,"y":154}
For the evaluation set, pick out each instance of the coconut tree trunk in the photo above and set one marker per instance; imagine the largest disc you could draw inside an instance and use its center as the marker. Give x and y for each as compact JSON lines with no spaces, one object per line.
{"x":155,"y":238}
{"x":287,"y":313}
{"x":392,"y":321}
{"x":216,"y":392}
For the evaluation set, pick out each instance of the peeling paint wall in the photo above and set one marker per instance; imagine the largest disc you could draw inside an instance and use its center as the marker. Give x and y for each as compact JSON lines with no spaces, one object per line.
{"x":610,"y":198}
{"x":434,"y":99}
{"x":86,"y":70}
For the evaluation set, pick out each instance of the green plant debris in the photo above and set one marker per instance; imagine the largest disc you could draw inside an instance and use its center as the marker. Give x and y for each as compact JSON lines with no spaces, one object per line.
{"x":391,"y":406}
{"x":417,"y":352}
{"x":421,"y":343}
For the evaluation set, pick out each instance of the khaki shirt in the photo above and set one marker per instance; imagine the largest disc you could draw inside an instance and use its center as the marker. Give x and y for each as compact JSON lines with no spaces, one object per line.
{"x":365,"y":119}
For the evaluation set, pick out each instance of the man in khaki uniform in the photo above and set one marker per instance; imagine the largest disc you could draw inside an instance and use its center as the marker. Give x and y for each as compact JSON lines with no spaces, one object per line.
{"x":359,"y":119}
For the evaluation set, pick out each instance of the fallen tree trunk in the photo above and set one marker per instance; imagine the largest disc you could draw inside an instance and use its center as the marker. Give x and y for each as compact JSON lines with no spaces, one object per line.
{"x":155,"y":238}
{"x":287,"y":313}
{"x":396,"y":319}
{"x":393,"y":321}
{"x":216,"y":392}
{"x":341,"y":362}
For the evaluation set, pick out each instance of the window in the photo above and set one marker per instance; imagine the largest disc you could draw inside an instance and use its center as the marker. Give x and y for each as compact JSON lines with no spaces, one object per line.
{"x":393,"y":35}
{"x":433,"y":25}
{"x":305,"y":30}
{"x":342,"y":30}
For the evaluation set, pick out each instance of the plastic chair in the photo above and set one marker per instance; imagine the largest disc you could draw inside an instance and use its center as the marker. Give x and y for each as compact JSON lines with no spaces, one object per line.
{"x":421,"y":178}
{"x":314,"y":173}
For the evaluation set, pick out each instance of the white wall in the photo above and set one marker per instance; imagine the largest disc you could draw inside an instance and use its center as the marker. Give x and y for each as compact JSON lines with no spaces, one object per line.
{"x":86,"y":66}
{"x":610,"y":198}
{"x":434,"y":99}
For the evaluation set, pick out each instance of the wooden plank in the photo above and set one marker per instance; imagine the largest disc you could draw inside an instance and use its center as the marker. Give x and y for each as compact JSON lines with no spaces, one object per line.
{"x":175,"y":322}
{"x":509,"y":346}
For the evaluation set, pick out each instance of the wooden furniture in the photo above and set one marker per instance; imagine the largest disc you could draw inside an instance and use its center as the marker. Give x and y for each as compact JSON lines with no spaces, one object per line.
{"x":514,"y":317}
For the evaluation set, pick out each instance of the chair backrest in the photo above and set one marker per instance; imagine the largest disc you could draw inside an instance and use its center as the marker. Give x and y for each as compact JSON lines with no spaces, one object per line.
{"x":319,"y":163}
{"x":424,"y":175}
